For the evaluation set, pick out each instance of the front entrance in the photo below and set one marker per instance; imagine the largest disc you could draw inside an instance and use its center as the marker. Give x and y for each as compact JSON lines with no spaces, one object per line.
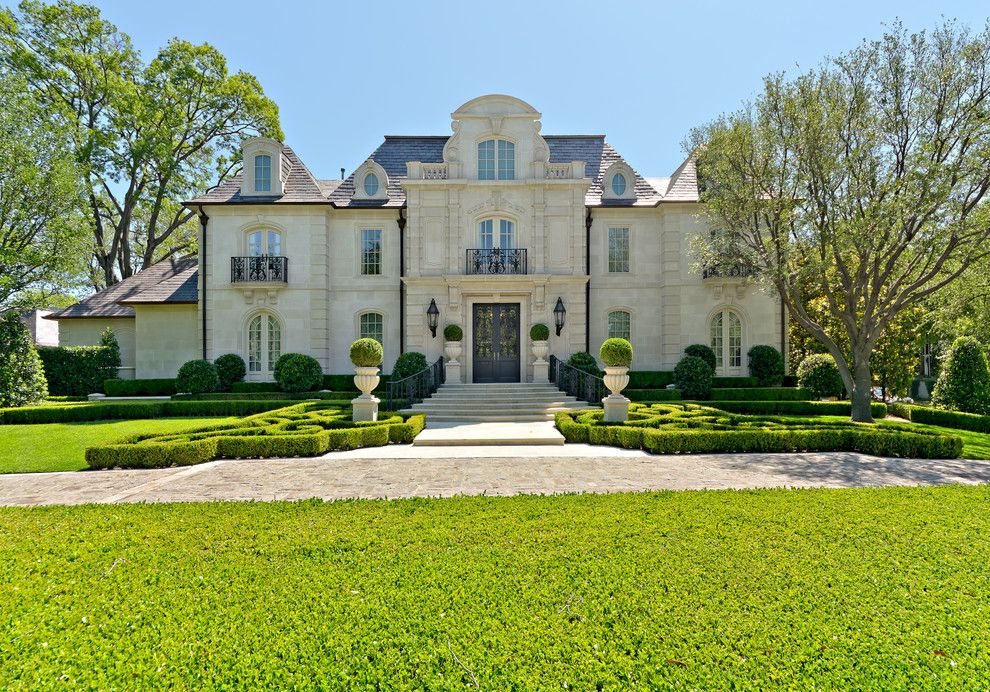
{"x":496,"y":342}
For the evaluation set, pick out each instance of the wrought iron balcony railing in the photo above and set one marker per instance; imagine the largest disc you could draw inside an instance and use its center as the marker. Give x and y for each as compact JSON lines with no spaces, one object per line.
{"x":735,"y":271}
{"x":496,"y":261}
{"x":263,"y":269}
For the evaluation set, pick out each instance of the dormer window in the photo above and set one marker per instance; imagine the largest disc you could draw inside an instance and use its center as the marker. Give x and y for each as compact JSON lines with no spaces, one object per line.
{"x":496,"y":160}
{"x":263,"y":173}
{"x":371,"y":184}
{"x":618,"y":184}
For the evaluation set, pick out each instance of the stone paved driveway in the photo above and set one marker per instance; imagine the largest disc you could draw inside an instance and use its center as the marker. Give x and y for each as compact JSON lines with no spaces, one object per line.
{"x":406,"y":472}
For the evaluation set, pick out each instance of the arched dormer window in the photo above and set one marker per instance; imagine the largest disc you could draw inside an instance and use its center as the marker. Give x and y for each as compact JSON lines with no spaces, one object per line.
{"x":496,"y":160}
{"x":371,"y":182}
{"x":263,"y":173}
{"x":619,"y":182}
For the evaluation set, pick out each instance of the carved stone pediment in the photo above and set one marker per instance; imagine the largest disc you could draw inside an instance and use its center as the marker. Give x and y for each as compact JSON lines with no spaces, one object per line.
{"x":496,"y":201}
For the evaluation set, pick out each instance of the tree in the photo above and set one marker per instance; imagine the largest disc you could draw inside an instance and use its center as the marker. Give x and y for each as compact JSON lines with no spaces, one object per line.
{"x":22,"y":376}
{"x":39,"y":194}
{"x":964,"y":382}
{"x":146,"y":136}
{"x":865,"y":178}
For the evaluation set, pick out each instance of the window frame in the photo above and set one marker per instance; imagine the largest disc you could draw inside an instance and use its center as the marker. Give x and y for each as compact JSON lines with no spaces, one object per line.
{"x":496,"y":235}
{"x":364,"y":184}
{"x":365,"y":333}
{"x":265,"y":236}
{"x":368,"y":257}
{"x":266,"y":159}
{"x":628,"y":326}
{"x":261,"y":356}
{"x":502,"y":150}
{"x":727,"y":341}
{"x":614,"y":266}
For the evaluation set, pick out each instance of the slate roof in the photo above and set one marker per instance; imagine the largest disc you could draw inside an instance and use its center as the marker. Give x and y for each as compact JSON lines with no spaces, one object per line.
{"x":170,"y":281}
{"x":300,"y":187}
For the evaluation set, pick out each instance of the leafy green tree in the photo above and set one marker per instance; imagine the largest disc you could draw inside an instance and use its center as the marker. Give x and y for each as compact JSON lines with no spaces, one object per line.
{"x":964,"y":382}
{"x":865,"y":178}
{"x":22,"y":376}
{"x":147,"y":136}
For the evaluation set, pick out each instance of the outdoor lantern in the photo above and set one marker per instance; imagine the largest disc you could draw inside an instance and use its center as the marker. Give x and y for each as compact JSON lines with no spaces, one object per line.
{"x":558,"y":315}
{"x":433,"y":315}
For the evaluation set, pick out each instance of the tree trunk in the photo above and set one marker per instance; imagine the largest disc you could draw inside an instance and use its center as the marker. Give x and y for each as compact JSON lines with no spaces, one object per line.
{"x":862,"y":394}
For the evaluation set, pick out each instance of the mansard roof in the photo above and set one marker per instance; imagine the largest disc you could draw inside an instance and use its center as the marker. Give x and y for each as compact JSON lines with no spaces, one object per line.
{"x":173,"y":280}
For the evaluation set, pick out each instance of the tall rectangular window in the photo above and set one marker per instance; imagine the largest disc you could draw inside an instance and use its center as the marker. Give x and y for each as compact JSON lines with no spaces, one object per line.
{"x":506,"y":160}
{"x":262,"y":173}
{"x":618,"y":325}
{"x":371,"y":251}
{"x":486,"y":160}
{"x":373,"y":327}
{"x":618,"y":250}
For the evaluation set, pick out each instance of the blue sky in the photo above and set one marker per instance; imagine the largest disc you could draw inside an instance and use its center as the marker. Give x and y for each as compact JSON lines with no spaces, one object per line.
{"x":346,"y":73}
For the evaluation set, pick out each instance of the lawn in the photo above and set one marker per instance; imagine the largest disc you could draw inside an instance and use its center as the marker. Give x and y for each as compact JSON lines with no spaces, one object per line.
{"x":831,"y":589}
{"x":61,"y":446}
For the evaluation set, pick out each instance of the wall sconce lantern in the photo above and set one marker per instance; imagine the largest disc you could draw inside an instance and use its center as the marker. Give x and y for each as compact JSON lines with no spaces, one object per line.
{"x":433,"y":315}
{"x":558,"y":315}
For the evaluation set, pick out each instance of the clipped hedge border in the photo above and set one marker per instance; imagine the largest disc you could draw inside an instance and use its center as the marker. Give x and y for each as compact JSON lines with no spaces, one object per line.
{"x":652,"y":394}
{"x":266,"y":396}
{"x":973,"y":422}
{"x":152,"y":387}
{"x":795,"y":408}
{"x":132,"y":410}
{"x":761,"y":394}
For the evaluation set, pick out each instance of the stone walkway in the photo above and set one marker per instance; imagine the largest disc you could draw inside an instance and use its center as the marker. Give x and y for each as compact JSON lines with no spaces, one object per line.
{"x":405,"y":471}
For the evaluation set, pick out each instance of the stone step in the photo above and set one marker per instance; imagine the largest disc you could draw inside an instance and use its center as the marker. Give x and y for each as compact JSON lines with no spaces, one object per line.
{"x":434,"y":405}
{"x":490,"y":433}
{"x":444,"y":418}
{"x":518,"y":399}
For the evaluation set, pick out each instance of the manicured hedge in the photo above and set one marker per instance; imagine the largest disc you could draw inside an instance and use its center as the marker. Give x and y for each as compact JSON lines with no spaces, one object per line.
{"x":795,"y":408}
{"x":308,"y":429}
{"x":159,"y":387}
{"x":132,"y":410}
{"x":337,"y":383}
{"x":652,"y":394}
{"x":264,"y":396}
{"x":650,"y":379}
{"x":733,"y":382}
{"x":761,"y":394}
{"x":947,"y":419}
{"x":690,"y":428}
{"x":78,"y":370}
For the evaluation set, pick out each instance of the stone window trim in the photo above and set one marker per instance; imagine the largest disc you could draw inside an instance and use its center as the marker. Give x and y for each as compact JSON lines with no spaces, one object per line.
{"x":253,"y":148}
{"x":614,"y":265}
{"x":615,"y":169}
{"x":368,"y":167}
{"x":608,"y":319}
{"x":369,"y":263}
{"x":497,"y":170}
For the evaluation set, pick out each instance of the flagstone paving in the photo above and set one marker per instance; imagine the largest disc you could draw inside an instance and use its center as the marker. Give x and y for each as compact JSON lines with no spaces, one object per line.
{"x":406,"y":471}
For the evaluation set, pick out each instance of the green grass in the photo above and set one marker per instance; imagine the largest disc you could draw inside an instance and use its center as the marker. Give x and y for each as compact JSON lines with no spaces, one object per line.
{"x":62,"y":446}
{"x":825,"y":589}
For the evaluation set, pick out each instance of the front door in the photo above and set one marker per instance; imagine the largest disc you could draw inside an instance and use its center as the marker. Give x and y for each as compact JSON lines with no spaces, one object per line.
{"x":496,"y":342}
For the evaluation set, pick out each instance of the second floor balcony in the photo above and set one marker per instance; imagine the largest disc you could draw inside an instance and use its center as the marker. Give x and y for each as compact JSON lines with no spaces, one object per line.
{"x":732,"y":271}
{"x":496,"y":261}
{"x":261,"y":269}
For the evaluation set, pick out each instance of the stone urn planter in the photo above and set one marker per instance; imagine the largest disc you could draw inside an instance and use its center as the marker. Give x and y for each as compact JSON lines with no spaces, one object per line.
{"x":452,"y":351}
{"x":366,"y":354}
{"x":452,"y":335}
{"x":539,"y":335}
{"x":617,"y":356}
{"x":616,"y":379}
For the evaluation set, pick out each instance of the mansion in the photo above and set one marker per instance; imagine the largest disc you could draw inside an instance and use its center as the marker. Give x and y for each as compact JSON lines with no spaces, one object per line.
{"x":495,"y":226}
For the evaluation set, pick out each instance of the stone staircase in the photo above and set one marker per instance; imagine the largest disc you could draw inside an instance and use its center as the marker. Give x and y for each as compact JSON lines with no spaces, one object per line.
{"x":455,"y":404}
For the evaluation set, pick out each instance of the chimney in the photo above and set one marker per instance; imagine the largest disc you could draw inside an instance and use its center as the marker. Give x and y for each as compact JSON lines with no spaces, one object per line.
{"x":341,"y":173}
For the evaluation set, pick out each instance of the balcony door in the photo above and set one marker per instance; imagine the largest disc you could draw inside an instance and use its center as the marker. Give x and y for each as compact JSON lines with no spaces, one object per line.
{"x":495,"y":348}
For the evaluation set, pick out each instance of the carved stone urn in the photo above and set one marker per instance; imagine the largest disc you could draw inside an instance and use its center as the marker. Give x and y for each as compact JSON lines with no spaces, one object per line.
{"x":365,"y":407}
{"x":452,"y":351}
{"x":541,"y":349}
{"x":541,"y":368}
{"x":616,"y":379}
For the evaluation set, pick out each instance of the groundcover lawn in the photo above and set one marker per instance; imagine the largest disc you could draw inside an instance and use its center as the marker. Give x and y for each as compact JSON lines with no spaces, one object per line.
{"x":62,"y":446}
{"x":879,"y":588}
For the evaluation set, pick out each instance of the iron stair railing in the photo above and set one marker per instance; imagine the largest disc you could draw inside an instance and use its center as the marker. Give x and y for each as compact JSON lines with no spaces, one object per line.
{"x":413,"y":389}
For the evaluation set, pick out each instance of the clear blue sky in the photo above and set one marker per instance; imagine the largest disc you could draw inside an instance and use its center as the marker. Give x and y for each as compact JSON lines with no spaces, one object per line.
{"x":345,"y":73}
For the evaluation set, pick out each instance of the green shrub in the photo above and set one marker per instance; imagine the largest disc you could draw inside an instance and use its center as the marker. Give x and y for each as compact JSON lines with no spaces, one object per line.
{"x":254,"y":387}
{"x":762,"y":394}
{"x":616,"y":353}
{"x":652,"y":394}
{"x":81,"y":370}
{"x":796,"y":408}
{"x":297,"y":372}
{"x":734,"y":382}
{"x":819,"y":373}
{"x":278,"y":395}
{"x":900,"y":410}
{"x":134,"y":410}
{"x":585,"y":362}
{"x":136,"y":456}
{"x":197,"y":376}
{"x":152,"y":387}
{"x":539,"y":332}
{"x":693,"y":377}
{"x":766,"y":365}
{"x":231,"y":369}
{"x":366,"y":353}
{"x":949,"y":419}
{"x":704,"y":352}
{"x":453,"y":332}
{"x":650,"y":379}
{"x":22,"y":375}
{"x":963,"y":383}
{"x":408,"y":364}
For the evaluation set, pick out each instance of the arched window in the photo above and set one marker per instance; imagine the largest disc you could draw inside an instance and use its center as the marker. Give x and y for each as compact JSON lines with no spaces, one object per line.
{"x":725,"y":332}
{"x":371,"y":185}
{"x":619,"y":184}
{"x":618,"y":324}
{"x":262,"y":173}
{"x":264,"y":343}
{"x":488,"y":239}
{"x":373,"y":327}
{"x":496,"y":160}
{"x":261,"y":243}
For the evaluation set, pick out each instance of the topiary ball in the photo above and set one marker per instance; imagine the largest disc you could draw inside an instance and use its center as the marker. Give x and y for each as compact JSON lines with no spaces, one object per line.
{"x":693,"y":376}
{"x":452,"y":332}
{"x":819,"y":373}
{"x":366,"y":353}
{"x":539,"y":332}
{"x":408,"y":364}
{"x":585,"y":362}
{"x":766,"y":365}
{"x":297,"y":372}
{"x":231,"y":369}
{"x":964,"y":382}
{"x":701,"y":351}
{"x":616,"y":353}
{"x":197,"y":377}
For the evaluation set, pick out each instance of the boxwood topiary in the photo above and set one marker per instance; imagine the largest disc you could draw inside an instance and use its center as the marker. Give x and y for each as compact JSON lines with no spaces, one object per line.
{"x":231,"y":369}
{"x":408,"y":364}
{"x":297,"y":372}
{"x":585,"y":362}
{"x":366,"y":353}
{"x":963,"y":383}
{"x":819,"y":373}
{"x":693,"y":376}
{"x":452,"y":332}
{"x":539,"y":332}
{"x":22,"y":376}
{"x":702,"y":351}
{"x":766,"y":365}
{"x":616,"y":353}
{"x":197,"y":376}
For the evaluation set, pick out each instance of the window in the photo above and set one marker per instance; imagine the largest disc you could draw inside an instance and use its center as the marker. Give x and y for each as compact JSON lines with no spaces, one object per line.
{"x":725,"y":332}
{"x":619,"y":184}
{"x":373,"y":327}
{"x":262,"y":243}
{"x":496,"y":160}
{"x":506,"y":238}
{"x":371,"y":185}
{"x":264,"y":343}
{"x":263,"y":173}
{"x":618,"y":250}
{"x":371,"y":252}
{"x":618,"y":324}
